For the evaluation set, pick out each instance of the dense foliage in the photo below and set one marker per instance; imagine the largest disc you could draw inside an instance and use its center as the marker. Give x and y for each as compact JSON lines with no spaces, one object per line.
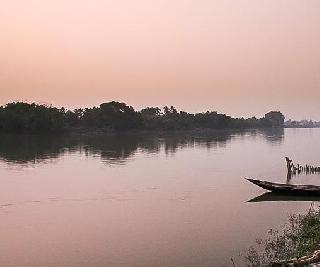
{"x":299,"y":237}
{"x":116,"y":116}
{"x":24,"y":117}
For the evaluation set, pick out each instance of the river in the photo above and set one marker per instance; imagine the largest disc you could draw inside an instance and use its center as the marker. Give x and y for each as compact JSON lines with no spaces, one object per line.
{"x":144,"y":200}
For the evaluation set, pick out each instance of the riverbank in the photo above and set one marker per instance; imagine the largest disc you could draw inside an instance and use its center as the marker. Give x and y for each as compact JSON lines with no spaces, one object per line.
{"x":297,"y":243}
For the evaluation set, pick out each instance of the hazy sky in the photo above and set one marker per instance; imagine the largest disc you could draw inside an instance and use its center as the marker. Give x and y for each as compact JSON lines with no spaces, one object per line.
{"x":242,"y":57}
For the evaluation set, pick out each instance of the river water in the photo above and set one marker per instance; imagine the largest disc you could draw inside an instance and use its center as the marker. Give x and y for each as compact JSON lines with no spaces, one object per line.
{"x":144,"y":200}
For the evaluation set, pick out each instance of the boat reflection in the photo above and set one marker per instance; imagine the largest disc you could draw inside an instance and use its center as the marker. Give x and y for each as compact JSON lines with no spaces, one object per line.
{"x":273,"y":197}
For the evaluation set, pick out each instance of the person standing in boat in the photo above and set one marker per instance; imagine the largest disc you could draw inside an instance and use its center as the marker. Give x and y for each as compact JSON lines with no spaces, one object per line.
{"x":289,"y":167}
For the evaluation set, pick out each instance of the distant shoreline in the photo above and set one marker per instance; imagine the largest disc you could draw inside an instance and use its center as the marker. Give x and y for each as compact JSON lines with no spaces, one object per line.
{"x":301,"y":127}
{"x":159,"y":133}
{"x":21,"y":117}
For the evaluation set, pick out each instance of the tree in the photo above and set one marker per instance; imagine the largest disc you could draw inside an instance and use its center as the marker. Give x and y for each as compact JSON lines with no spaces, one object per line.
{"x":274,"y":119}
{"x":31,"y":118}
{"x":151,"y":111}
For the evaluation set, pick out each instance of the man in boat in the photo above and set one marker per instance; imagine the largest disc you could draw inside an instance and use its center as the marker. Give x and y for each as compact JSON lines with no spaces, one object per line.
{"x":289,"y":167}
{"x":289,"y":164}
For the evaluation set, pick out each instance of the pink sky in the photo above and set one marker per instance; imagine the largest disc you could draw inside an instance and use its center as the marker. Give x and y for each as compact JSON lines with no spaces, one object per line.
{"x":242,"y":57}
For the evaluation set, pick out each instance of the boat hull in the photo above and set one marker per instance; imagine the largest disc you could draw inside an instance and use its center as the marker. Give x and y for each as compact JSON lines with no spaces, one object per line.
{"x":287,"y":188}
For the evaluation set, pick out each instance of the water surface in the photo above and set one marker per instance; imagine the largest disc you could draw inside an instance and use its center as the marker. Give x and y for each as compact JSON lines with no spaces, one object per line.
{"x":143,"y":200}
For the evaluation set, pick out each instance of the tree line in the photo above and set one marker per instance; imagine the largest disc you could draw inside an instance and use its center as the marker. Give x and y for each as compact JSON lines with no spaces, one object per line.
{"x":115,"y":116}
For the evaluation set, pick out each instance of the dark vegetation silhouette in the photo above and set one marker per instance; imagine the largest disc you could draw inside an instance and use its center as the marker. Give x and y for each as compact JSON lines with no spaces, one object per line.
{"x":20,"y":117}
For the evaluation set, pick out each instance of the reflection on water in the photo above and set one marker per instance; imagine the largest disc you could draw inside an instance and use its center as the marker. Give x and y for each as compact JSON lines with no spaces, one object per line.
{"x":269,"y":196}
{"x":23,"y":149}
{"x":142,"y":200}
{"x":274,"y":135}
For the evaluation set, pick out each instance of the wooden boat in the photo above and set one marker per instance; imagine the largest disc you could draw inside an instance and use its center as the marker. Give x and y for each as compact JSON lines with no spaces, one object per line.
{"x":287,"y":188}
